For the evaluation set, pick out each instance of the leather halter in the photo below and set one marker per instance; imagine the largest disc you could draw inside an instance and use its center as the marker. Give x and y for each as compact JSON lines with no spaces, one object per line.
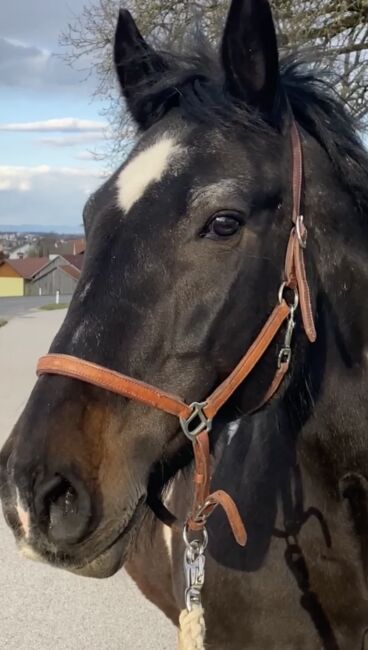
{"x":196,"y":418}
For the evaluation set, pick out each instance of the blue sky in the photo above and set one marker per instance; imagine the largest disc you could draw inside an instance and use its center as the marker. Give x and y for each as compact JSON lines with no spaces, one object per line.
{"x":48,"y":122}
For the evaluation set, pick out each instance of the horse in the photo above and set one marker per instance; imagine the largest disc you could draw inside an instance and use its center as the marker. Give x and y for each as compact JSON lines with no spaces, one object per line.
{"x":185,"y":255}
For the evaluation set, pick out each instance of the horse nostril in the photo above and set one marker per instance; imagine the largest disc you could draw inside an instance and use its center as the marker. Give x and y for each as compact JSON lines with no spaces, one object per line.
{"x":63,"y":509}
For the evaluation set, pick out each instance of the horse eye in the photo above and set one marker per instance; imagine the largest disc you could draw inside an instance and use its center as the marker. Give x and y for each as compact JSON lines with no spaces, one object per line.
{"x":222,"y":225}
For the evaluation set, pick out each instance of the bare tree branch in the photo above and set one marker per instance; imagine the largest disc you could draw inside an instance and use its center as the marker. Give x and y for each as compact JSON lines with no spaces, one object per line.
{"x":335,"y":31}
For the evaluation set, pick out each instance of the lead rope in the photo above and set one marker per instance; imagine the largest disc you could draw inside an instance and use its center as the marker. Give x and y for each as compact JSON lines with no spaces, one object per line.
{"x":192,"y":629}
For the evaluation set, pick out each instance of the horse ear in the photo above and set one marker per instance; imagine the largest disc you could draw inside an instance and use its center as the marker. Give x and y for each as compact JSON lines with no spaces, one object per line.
{"x":136,"y":63}
{"x":250,"y":55}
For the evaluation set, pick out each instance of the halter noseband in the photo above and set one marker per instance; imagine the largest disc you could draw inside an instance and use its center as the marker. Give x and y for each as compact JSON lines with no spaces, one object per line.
{"x":196,"y":419}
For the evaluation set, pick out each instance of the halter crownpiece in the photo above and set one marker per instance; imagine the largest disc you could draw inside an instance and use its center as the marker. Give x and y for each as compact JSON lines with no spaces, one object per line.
{"x":196,"y":419}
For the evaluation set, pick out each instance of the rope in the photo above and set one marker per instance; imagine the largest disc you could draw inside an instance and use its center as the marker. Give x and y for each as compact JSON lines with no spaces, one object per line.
{"x":192,"y":629}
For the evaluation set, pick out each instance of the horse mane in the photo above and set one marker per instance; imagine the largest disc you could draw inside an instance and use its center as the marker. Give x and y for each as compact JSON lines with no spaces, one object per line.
{"x":322,"y":113}
{"x":195,"y":83}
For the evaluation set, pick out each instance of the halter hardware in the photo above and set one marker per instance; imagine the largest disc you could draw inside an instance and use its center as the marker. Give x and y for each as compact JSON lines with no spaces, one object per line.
{"x":197,"y":415}
{"x":285,"y":352}
{"x":293,"y":305}
{"x":194,"y":565}
{"x":284,"y":356}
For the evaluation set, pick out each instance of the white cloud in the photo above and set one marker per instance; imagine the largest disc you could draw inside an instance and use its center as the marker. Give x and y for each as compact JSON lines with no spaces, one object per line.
{"x":65,"y":125}
{"x":30,"y":67}
{"x":72,"y":140}
{"x":22,"y":179}
{"x":37,"y":20}
{"x":45,"y":194}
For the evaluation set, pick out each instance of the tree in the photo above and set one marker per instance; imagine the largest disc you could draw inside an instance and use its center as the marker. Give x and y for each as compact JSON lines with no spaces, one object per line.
{"x":334,"y":32}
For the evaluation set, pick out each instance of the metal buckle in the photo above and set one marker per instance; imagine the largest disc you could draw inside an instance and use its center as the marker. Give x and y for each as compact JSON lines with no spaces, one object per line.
{"x":302,"y":237}
{"x":203,"y":424}
{"x":285,"y":352}
{"x":284,"y":356}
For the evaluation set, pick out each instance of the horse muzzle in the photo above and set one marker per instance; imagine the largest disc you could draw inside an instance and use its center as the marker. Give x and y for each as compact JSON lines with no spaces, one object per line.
{"x":55,"y":517}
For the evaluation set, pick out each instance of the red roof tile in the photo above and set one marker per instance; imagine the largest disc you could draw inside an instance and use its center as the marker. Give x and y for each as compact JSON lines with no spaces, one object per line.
{"x":74,"y":260}
{"x":28,"y":266}
{"x":70,"y":270}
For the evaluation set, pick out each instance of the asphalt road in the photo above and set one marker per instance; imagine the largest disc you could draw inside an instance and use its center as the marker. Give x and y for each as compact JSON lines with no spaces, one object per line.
{"x":43,"y":608}
{"x":10,"y":307}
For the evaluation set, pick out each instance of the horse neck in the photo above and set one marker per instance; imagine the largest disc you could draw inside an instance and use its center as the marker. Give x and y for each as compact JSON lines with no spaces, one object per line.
{"x":326,"y":400}
{"x":337,"y":255}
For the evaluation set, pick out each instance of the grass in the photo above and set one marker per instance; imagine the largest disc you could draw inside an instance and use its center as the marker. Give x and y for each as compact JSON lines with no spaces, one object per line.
{"x":53,"y":305}
{"x":3,"y":322}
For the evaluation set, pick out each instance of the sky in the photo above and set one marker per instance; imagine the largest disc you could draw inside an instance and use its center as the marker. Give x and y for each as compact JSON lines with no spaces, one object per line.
{"x":49,"y":123}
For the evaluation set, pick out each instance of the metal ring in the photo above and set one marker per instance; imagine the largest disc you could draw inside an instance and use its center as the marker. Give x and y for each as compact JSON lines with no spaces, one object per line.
{"x":201,"y":544}
{"x":281,"y":292}
{"x":295,"y":304}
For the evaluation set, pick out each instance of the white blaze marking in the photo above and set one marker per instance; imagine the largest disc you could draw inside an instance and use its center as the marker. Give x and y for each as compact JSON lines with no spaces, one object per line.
{"x":24,"y":517}
{"x":146,"y":168}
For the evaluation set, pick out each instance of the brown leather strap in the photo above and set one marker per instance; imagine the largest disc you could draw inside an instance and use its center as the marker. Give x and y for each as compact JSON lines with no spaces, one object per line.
{"x":275,"y":385}
{"x":221,"y":498}
{"x":304,"y":292}
{"x":201,"y":448}
{"x":220,"y":396}
{"x":92,"y":373}
{"x":295,"y":274}
{"x":297,"y":175}
{"x":289,"y":269}
{"x":205,"y":503}
{"x":295,"y":277}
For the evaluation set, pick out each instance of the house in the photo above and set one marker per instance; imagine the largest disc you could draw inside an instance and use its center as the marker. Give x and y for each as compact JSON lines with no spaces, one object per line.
{"x":78,"y":246}
{"x":60,"y":274}
{"x":16,"y":275}
{"x":40,"y":276}
{"x":21,"y":252}
{"x":54,"y":246}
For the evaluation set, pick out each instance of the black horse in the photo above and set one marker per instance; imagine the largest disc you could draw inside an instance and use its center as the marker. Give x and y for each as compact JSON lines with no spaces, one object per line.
{"x":185,"y":250}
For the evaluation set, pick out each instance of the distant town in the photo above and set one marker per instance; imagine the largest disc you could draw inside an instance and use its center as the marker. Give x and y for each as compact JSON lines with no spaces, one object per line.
{"x":37,"y":264}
